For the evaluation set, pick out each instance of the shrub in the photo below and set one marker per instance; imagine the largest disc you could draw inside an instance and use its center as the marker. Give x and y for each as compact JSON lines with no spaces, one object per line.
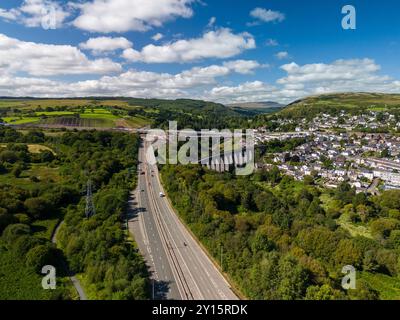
{"x":14,"y":231}
{"x":41,"y":255}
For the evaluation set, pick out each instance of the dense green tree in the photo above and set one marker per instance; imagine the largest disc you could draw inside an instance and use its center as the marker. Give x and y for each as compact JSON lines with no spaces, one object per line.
{"x":8,"y":156}
{"x":14,"y":231}
{"x":38,"y":207}
{"x":5,"y":219}
{"x":390,"y":199}
{"x":293,"y":279}
{"x":348,"y":253}
{"x":394,"y":238}
{"x":324,"y":292}
{"x":23,"y":244}
{"x":40,"y":256}
{"x":382,"y":227}
{"x":16,"y":171}
{"x":260,"y":242}
{"x":345,"y":193}
{"x":319,"y":242}
{"x":3,"y":169}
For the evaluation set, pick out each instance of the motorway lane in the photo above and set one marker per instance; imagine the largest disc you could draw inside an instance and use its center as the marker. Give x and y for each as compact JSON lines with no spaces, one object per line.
{"x":201,"y":275}
{"x":171,"y":252}
{"x":147,"y":236}
{"x":205,"y":279}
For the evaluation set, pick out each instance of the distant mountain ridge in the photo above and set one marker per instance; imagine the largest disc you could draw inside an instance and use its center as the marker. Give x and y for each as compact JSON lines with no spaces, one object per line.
{"x":256,"y":108}
{"x":256,"y":105}
{"x":335,"y":102}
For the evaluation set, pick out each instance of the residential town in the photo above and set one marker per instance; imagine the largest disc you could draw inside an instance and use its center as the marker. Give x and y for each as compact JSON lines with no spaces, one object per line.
{"x":367,"y":121}
{"x":368,"y":161}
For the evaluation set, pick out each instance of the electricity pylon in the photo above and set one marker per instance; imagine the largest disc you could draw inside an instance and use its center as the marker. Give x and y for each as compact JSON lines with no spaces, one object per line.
{"x":89,"y":209}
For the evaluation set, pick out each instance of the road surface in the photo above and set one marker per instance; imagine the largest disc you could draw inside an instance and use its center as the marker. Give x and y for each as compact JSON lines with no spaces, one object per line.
{"x":74,"y":280}
{"x":180,"y":269}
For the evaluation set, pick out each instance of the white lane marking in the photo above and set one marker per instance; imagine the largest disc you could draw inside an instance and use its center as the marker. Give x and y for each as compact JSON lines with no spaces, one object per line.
{"x":174,"y":272}
{"x":188,"y":236}
{"x":180,"y":254}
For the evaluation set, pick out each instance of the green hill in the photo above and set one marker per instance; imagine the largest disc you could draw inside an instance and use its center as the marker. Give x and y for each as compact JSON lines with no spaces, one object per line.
{"x":106,"y":112}
{"x":350,"y":102}
{"x":254,"y":108}
{"x":194,"y":114}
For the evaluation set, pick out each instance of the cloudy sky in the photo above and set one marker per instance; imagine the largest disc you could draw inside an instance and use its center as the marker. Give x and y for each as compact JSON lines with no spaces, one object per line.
{"x":219,"y":50}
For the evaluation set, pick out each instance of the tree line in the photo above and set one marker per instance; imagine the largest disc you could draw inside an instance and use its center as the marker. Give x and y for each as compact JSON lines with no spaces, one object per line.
{"x":279,"y":241}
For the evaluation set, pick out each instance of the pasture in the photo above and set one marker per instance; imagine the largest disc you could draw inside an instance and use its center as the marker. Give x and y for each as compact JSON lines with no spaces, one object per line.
{"x":70,"y":113}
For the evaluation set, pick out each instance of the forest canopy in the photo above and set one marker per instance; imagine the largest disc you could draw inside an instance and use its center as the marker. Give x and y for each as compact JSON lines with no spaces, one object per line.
{"x":40,"y":189}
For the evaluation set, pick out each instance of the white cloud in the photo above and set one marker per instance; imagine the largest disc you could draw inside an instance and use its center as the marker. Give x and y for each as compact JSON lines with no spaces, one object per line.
{"x":211,"y":22}
{"x":221,"y":43}
{"x":248,"y":91}
{"x":271,"y":43}
{"x":105,"y":44}
{"x":157,"y":37}
{"x":243,"y":66}
{"x":130,"y":83}
{"x":206,"y":82}
{"x":282,"y":55}
{"x":9,"y":14}
{"x":338,"y":71}
{"x":354,"y":75}
{"x":33,"y":13}
{"x":263,"y":15}
{"x":131,"y":55}
{"x":255,"y":91}
{"x":40,"y":59}
{"x":129,"y":15}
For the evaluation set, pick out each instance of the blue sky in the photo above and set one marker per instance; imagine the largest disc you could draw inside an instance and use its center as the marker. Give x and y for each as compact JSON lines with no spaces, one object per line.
{"x":226,"y":51}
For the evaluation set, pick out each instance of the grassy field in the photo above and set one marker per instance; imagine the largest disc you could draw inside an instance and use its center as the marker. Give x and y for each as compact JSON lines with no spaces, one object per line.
{"x":388,"y":287}
{"x":10,"y":103}
{"x":43,"y":173}
{"x":97,"y":111}
{"x":37,"y":148}
{"x":354,"y":229}
{"x":75,"y":114}
{"x":25,"y":104}
{"x":54,"y":113}
{"x":344,"y":220}
{"x":33,"y":148}
{"x":102,"y":116}
{"x":18,"y":281}
{"x":327,"y":201}
{"x":343,"y":101}
{"x":20,"y":120}
{"x":137,"y":121}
